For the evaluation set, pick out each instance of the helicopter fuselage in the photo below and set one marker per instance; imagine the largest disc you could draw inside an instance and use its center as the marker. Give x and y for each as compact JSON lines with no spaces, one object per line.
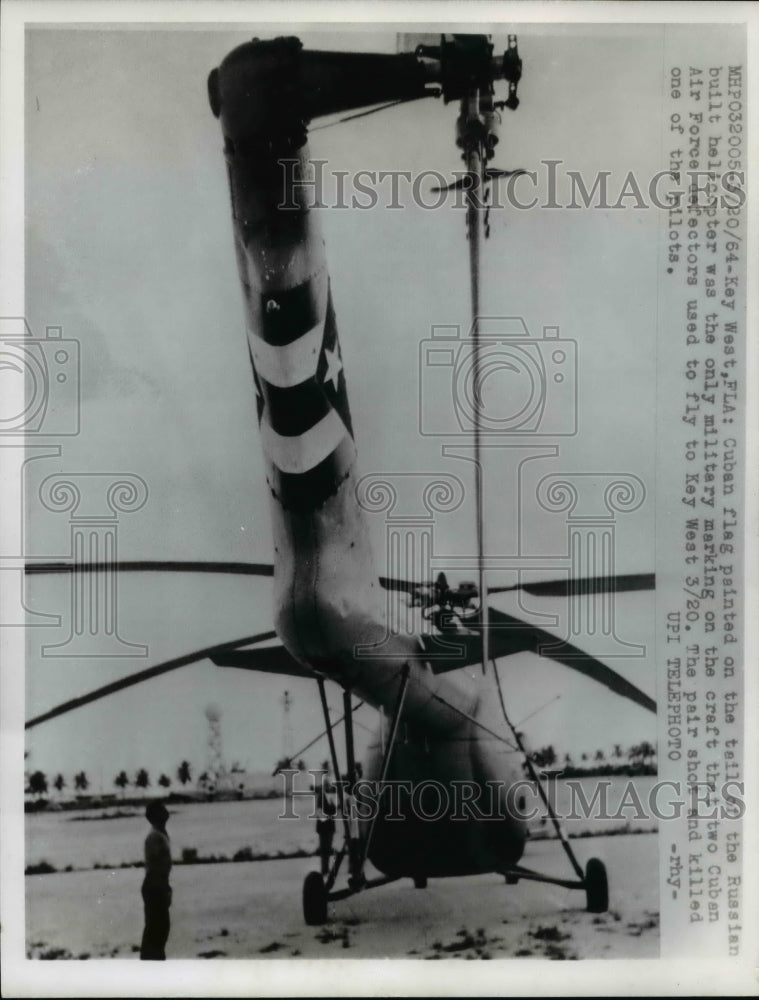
{"x":330,"y":610}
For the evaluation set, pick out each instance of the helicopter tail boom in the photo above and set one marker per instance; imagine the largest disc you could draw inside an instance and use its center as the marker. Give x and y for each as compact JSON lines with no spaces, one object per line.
{"x":309,"y":84}
{"x":326,"y":595}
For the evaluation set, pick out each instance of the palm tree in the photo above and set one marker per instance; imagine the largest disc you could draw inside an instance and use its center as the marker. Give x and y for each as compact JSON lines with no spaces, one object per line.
{"x":600,"y":756}
{"x":121,"y":781}
{"x":142,"y":779}
{"x":184,"y":772}
{"x":81,"y":781}
{"x":38,"y":783}
{"x":647,"y":751}
{"x":549,"y":755}
{"x":164,"y":781}
{"x":60,"y":783}
{"x":545,"y":757}
{"x":617,"y":753}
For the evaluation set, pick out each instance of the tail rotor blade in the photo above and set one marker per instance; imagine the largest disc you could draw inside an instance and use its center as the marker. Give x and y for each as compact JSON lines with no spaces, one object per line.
{"x":493,"y":173}
{"x":466,"y":183}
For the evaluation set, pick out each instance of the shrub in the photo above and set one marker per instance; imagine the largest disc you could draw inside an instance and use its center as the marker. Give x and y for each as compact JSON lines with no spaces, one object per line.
{"x":43,"y":868}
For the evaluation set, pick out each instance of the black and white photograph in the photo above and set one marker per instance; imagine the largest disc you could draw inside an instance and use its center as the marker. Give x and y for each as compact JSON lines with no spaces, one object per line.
{"x":374,"y":461}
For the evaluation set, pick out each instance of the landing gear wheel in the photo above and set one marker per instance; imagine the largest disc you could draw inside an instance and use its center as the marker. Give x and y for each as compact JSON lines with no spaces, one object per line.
{"x":511,"y":879}
{"x":314,"y":900}
{"x":596,"y":886}
{"x":420,"y":881}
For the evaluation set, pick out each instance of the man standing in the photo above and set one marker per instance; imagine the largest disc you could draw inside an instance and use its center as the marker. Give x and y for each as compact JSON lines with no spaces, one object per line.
{"x":156,"y":891}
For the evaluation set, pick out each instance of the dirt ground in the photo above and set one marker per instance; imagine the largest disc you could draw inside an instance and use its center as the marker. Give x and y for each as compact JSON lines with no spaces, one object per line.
{"x":253,"y":910}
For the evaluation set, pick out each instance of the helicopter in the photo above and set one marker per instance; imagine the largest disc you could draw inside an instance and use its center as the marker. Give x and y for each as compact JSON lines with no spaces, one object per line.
{"x":445,"y":722}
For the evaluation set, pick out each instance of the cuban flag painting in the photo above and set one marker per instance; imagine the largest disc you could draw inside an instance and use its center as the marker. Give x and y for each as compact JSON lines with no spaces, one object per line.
{"x":303,"y":409}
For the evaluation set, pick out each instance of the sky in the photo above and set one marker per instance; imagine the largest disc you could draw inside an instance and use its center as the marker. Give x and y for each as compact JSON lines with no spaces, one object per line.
{"x":129,"y":249}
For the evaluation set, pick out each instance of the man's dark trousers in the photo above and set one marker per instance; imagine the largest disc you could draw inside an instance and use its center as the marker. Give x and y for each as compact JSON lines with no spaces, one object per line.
{"x":157,"y":925}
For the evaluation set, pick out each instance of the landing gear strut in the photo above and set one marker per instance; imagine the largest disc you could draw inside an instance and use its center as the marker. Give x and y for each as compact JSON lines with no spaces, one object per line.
{"x":318,"y":888}
{"x":594,"y":879}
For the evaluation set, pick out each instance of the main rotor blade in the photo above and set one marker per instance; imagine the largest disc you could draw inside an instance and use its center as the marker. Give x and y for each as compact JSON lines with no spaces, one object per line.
{"x":154,"y":566}
{"x":269,"y":660}
{"x":549,"y":588}
{"x":538,"y":641}
{"x":587,"y":585}
{"x":508,"y":635}
{"x":144,"y":675}
{"x":403,"y":586}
